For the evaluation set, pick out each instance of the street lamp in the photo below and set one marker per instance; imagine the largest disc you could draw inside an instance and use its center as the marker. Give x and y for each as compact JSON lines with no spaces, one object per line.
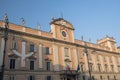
{"x":5,"y":39}
{"x":86,"y":51}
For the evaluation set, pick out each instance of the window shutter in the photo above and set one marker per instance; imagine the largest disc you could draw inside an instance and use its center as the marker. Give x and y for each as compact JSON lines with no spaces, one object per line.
{"x":50,"y":51}
{"x":50,"y":66}
{"x":45,"y":50}
{"x":35,"y":48}
{"x":29,"y":48}
{"x":52,"y":78}
{"x":45,"y":78}
{"x":11,"y":47}
{"x":8,"y":63}
{"x":16,"y":45}
{"x":28,"y":77}
{"x":16,"y":64}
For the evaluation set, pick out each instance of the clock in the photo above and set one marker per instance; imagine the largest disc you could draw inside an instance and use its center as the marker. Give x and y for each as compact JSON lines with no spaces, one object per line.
{"x":64,"y":33}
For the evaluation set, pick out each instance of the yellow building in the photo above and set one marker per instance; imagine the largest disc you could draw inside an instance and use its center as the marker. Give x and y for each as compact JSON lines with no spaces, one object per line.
{"x":32,"y":54}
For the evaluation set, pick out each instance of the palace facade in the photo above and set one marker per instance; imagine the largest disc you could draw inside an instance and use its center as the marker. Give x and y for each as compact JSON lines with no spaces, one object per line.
{"x":33,"y":54}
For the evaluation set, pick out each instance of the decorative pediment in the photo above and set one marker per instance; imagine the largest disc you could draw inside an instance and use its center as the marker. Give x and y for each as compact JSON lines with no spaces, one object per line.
{"x":61,"y":21}
{"x":67,"y":60}
{"x":32,"y":57}
{"x":13,"y":55}
{"x":48,"y":59}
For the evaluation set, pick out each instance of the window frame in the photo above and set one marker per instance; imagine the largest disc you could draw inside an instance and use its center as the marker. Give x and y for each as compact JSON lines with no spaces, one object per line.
{"x":12,"y":65}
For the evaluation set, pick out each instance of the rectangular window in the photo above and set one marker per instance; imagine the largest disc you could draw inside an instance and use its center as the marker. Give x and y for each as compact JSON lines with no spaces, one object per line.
{"x":108,"y":77}
{"x":48,"y":77}
{"x":99,"y":67}
{"x":81,"y":67}
{"x":110,"y":59}
{"x":97,"y":57}
{"x":12,"y":64}
{"x":114,"y":77}
{"x":31,"y":48}
{"x":14,"y":45}
{"x":112,"y":68}
{"x":66,"y":52}
{"x":31,"y":65}
{"x":101,"y":78}
{"x":119,"y":68}
{"x":106,"y":68}
{"x":91,"y":65}
{"x":48,"y":66}
{"x":83,"y":77}
{"x":104,"y":57}
{"x":93,"y":78}
{"x":47,"y":50}
{"x":11,"y":77}
{"x":31,"y":78}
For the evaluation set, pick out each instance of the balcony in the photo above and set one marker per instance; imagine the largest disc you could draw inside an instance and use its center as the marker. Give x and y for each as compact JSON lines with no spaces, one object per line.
{"x":69,"y":72}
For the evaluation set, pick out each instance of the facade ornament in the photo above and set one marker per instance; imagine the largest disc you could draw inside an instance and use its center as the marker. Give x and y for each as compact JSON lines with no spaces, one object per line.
{"x":81,"y":37}
{"x":23,"y":21}
{"x":38,"y":26}
{"x":53,"y":18}
{"x":89,"y":39}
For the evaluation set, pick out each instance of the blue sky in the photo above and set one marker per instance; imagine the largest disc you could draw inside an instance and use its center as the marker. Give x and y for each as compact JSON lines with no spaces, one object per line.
{"x":91,"y":18}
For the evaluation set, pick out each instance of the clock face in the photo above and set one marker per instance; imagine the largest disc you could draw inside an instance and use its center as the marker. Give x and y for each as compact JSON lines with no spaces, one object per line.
{"x":64,"y":33}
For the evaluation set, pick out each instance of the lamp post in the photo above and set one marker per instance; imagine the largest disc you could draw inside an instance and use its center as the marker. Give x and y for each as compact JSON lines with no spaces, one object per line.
{"x":86,"y":51}
{"x":5,"y":39}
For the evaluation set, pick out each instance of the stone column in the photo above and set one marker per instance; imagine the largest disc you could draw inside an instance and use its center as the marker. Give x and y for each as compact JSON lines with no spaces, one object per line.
{"x":56,"y":58}
{"x":1,"y":51}
{"x":40,"y":56}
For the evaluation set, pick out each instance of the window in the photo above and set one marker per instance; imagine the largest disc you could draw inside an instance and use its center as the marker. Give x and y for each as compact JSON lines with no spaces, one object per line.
{"x":31,"y":65}
{"x":106,"y":68}
{"x":100,"y":77}
{"x":12,"y":64}
{"x":81,"y":67}
{"x":11,"y":77}
{"x":14,"y":45}
{"x":112,"y":68}
{"x":97,"y":57}
{"x":119,"y":68}
{"x":47,"y":50}
{"x":89,"y":56}
{"x":83,"y":77}
{"x":48,"y":63}
{"x":66,"y":52}
{"x":49,"y":78}
{"x":91,"y":66}
{"x":117,"y":60}
{"x":104,"y":57}
{"x":31,"y":77}
{"x":114,"y":77}
{"x":110,"y":59}
{"x":108,"y":77}
{"x":93,"y":78}
{"x":31,"y":48}
{"x":99,"y":67}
